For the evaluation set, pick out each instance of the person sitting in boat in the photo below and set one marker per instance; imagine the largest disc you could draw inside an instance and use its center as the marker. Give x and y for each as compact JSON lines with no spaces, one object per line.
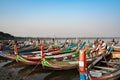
{"x":10,"y":43}
{"x":101,"y":47}
{"x":90,"y":43}
{"x":67,"y":43}
{"x":52,"y":42}
{"x":38,"y":42}
{"x":113,"y":42}
{"x":97,"y":40}
{"x":79,"y":42}
{"x":16,"y":42}
{"x":92,"y":51}
{"x":44,"y":43}
{"x":21,"y":44}
{"x":30,"y":42}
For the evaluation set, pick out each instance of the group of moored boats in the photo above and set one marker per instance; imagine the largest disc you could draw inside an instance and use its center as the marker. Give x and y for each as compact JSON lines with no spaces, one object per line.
{"x":101,"y":61}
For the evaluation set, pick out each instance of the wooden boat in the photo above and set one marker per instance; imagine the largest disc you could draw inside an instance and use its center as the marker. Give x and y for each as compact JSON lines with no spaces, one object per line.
{"x":37,"y":60}
{"x":63,"y":65}
{"x":53,"y":55}
{"x":25,"y":48}
{"x":106,"y":67}
{"x":50,"y":51}
{"x":68,"y":64}
{"x":38,"y":52}
{"x":29,"y":59}
{"x":27,"y":55}
{"x":11,"y":56}
{"x":116,"y":48}
{"x":49,"y":54}
{"x":7,"y":56}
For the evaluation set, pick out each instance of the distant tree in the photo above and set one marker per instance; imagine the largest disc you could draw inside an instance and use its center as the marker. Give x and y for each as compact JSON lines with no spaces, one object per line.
{"x":5,"y":36}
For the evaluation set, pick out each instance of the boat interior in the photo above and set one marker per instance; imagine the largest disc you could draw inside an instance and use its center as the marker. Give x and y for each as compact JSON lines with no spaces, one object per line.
{"x":108,"y":65}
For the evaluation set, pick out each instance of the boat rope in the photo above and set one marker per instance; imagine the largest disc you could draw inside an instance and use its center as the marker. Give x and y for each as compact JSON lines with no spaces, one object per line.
{"x":16,"y":52}
{"x":26,"y":76}
{"x":42,"y":49}
{"x":31,"y":71}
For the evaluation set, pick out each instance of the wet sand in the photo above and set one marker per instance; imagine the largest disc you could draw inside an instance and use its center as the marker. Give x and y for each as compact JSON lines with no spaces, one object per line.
{"x":10,"y":70}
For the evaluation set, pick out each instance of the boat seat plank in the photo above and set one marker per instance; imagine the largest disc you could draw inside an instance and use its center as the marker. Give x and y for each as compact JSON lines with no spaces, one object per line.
{"x":107,"y":68}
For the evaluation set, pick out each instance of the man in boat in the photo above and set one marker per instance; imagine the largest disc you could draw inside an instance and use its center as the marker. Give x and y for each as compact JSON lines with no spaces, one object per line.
{"x":91,"y":51}
{"x":38,"y":42}
{"x":90,"y":43}
{"x":97,"y":40}
{"x":66,"y":44}
{"x":114,"y":42}
{"x":101,"y":47}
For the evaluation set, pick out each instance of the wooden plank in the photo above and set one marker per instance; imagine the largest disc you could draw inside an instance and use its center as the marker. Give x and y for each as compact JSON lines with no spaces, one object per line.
{"x":117,"y":49}
{"x":107,"y":68}
{"x":115,"y":54}
{"x":115,"y":62}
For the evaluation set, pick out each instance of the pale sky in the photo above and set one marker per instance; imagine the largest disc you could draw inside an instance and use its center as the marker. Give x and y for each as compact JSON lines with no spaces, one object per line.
{"x":60,"y":18}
